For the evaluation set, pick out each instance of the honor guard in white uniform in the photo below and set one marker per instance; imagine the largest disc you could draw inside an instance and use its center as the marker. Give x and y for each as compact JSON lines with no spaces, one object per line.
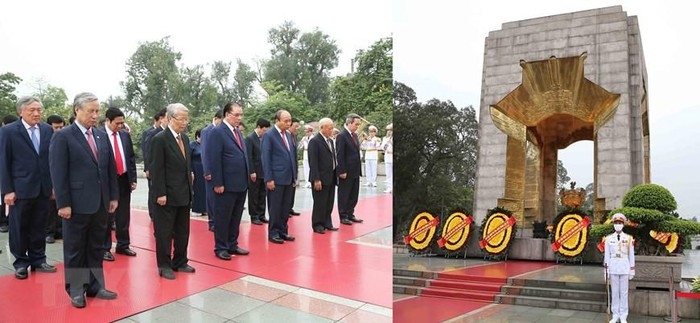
{"x":370,"y":145}
{"x":304,"y":146}
{"x":619,"y":266}
{"x":388,"y":148}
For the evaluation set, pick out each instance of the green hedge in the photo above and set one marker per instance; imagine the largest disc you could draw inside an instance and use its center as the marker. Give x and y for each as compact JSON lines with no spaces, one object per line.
{"x":650,"y":196}
{"x":641,"y":215}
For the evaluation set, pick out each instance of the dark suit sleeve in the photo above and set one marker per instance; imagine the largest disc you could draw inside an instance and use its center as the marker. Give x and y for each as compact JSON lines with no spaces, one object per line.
{"x":313,"y":152}
{"x":58,"y":164}
{"x":157,"y":156}
{"x":340,"y":148}
{"x":6,"y":185}
{"x":214,"y":153}
{"x":266,"y":152}
{"x":130,"y":157}
{"x":249,"y":153}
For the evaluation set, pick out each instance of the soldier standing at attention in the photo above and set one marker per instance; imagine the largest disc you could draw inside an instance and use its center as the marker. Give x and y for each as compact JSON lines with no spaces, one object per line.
{"x":619,"y":266}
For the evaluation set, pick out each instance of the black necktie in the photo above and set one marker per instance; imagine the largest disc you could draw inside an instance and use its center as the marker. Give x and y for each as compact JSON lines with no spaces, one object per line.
{"x":330,"y":142}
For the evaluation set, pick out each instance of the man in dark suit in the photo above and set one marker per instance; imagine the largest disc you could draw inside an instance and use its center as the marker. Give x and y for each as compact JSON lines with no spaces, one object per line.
{"x":256,"y":188}
{"x":26,"y":185}
{"x":54,"y":229}
{"x":280,"y":174}
{"x":293,"y":131}
{"x":172,"y":188}
{"x":125,"y":161}
{"x":322,"y":162}
{"x":226,"y":154}
{"x":159,"y":123}
{"x":208,"y":187}
{"x":349,"y":170}
{"x":84,"y":178}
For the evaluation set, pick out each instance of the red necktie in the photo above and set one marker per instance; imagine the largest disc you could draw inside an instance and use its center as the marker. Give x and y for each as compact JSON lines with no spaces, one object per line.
{"x":354,"y":137}
{"x":91,"y":143}
{"x":286,"y":144}
{"x":238,"y":139}
{"x":118,"y":155}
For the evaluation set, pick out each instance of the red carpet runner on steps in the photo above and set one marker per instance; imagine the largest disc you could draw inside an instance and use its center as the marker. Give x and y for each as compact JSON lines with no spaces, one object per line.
{"x":326,"y":263}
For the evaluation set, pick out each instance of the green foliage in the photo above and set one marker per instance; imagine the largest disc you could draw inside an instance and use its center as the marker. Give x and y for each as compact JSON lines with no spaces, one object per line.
{"x":695,"y":285}
{"x":641,"y":215}
{"x":599,"y":231}
{"x":650,"y":196}
{"x":434,"y":163}
{"x":8,"y":100}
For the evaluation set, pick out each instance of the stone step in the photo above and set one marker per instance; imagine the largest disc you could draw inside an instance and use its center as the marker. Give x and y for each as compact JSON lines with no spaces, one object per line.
{"x":481,"y":296}
{"x":459,"y":285}
{"x":579,"y":286}
{"x":554,"y":293}
{"x":568,"y":304}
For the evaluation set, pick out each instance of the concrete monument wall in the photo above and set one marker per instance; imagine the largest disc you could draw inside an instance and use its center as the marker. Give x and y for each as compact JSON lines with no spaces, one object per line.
{"x":615,"y":62}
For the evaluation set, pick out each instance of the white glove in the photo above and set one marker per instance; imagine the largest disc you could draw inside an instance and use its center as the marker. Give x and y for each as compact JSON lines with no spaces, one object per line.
{"x":631,"y":275}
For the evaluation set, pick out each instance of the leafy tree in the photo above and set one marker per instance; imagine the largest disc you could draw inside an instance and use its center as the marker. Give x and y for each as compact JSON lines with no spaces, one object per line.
{"x":435,"y":156}
{"x":8,"y":100}
{"x":562,"y":176}
{"x":152,"y":78}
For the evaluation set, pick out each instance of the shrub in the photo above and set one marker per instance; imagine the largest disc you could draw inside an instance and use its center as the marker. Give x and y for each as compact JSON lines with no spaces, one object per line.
{"x":650,"y":196}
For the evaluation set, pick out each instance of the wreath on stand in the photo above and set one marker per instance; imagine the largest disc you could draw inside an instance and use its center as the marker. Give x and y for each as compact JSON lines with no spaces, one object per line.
{"x":496,"y":233}
{"x":455,"y":233}
{"x":421,"y":232}
{"x":570,"y":235}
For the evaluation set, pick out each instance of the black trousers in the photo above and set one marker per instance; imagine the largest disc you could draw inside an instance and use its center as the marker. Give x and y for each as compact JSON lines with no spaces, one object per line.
{"x":323,"y":206}
{"x":279,"y":202}
{"x":27,"y":225}
{"x":257,"y":195}
{"x":54,"y":223}
{"x":83,"y":248}
{"x":229,"y":211}
{"x":171,"y":226}
{"x":3,"y":216}
{"x":209,"y":187}
{"x":151,"y":200}
{"x":121,"y":216}
{"x":348,"y":192}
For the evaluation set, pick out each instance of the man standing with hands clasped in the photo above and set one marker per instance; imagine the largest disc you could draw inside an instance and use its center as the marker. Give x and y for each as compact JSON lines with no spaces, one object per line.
{"x":619,"y":267}
{"x":322,"y":163}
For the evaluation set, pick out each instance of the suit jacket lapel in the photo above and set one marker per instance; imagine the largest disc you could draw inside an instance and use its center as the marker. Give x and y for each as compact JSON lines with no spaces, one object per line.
{"x":82,"y":141}
{"x":24,"y":134}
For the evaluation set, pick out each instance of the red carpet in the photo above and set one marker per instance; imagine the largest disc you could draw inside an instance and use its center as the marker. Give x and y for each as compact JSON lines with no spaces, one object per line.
{"x":42,"y":297}
{"x":430,"y":309}
{"x":326,"y":263}
{"x":498,"y":272}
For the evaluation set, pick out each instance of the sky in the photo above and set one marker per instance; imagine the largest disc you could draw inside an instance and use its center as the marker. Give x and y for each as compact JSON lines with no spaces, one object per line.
{"x":84,"y":45}
{"x":438,"y":51}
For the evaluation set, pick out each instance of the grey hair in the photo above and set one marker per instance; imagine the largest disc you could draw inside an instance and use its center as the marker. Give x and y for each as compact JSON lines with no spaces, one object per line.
{"x":25,"y":101}
{"x":173,"y":108}
{"x":324,"y":122}
{"x":351,"y":117}
{"x":83,"y":98}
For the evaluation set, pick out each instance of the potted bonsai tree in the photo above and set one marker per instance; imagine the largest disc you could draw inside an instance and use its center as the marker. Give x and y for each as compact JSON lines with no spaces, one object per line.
{"x":660,"y":234}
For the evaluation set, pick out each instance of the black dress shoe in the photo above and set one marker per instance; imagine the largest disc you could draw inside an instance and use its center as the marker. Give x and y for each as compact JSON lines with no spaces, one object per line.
{"x":239,"y":251}
{"x":166,"y":273}
{"x":78,"y":301}
{"x":103,"y":294}
{"x":185,"y":269}
{"x":44,"y":268}
{"x":3,"y":228}
{"x":346,"y":221}
{"x":332,"y":228}
{"x":108,"y":256}
{"x":21,"y":273}
{"x":320,"y":230}
{"x":276,"y":240}
{"x":126,"y":252}
{"x":50,"y":239}
{"x":287,"y":237}
{"x":264,"y":220}
{"x":356,"y":220}
{"x":223,"y":255}
{"x":295,"y":213}
{"x":256,"y":222}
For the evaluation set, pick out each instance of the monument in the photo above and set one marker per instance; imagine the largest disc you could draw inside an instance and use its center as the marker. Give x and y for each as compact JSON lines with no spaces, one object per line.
{"x":547,"y":83}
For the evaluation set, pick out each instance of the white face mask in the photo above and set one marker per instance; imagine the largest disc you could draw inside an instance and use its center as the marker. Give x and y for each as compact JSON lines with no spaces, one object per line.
{"x":618,"y":226}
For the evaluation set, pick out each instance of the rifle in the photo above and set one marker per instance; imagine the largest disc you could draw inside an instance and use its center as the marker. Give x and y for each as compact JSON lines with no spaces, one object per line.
{"x":607,"y":292}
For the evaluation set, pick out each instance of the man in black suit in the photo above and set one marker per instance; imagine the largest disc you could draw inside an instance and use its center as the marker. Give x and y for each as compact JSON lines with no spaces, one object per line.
{"x":349,"y":170}
{"x":3,"y":216}
{"x":208,"y":187}
{"x":26,"y":185}
{"x":226,"y":153}
{"x":280,"y":174}
{"x":256,"y":188}
{"x":53,"y":221}
{"x":322,"y":163}
{"x":125,"y":161}
{"x":84,"y":178}
{"x":293,"y":131}
{"x":172,"y":188}
{"x":159,"y":123}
